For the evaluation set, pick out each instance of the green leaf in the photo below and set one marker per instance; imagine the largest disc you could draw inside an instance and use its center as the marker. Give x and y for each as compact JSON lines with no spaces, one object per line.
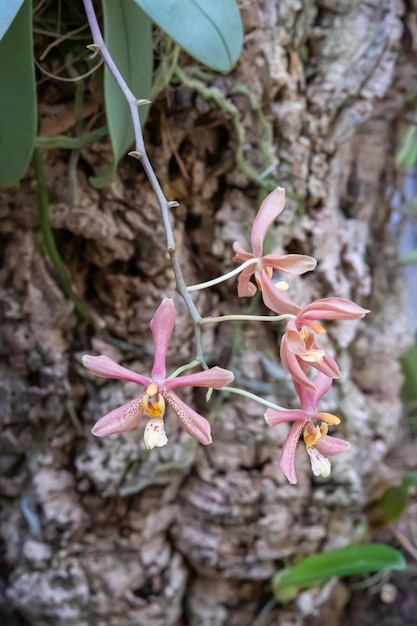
{"x":407,"y":154}
{"x":8,"y":12}
{"x":18,"y":116}
{"x":390,"y":506}
{"x":409,"y":480}
{"x":128,"y":36}
{"x":354,"y":559}
{"x":209,"y":30}
{"x":409,"y":388}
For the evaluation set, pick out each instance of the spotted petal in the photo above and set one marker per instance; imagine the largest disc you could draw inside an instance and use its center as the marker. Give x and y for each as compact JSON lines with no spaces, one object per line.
{"x":289,"y":448}
{"x":122,"y":419}
{"x":194,"y":424}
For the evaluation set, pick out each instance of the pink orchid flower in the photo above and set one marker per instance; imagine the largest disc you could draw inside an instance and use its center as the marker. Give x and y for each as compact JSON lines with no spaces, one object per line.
{"x":158,"y":389}
{"x":319,"y":444}
{"x":297,"y":264}
{"x":299,"y":348}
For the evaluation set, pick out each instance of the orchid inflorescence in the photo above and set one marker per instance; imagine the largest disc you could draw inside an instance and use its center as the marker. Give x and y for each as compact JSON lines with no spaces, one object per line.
{"x":301,"y":355}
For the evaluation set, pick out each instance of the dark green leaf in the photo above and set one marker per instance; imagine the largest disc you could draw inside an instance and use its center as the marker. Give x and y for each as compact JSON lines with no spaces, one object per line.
{"x":128,"y":36}
{"x":390,"y":506}
{"x":8,"y":11}
{"x":355,"y":559}
{"x":209,"y":30}
{"x":409,"y":389}
{"x":17,"y":97}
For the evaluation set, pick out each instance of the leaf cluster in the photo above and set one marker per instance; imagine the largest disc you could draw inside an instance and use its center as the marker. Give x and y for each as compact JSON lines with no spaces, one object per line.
{"x":209,"y":30}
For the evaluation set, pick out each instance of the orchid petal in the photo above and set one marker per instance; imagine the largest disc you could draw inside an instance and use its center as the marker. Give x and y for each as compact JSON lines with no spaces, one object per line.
{"x":291,"y":363}
{"x":269,"y":210}
{"x":244,"y":287}
{"x":122,"y":419}
{"x":331,"y":446}
{"x":289,"y":448}
{"x":290,"y":263}
{"x":241,"y":254}
{"x":309,"y":398}
{"x":215,"y":377}
{"x":274,"y":299}
{"x":194,"y":424}
{"x":320,"y":465}
{"x":295,"y":342}
{"x":162,"y":324}
{"x":107,"y":368}
{"x":327,"y":366}
{"x":333,"y":309}
{"x":154,"y":435}
{"x":274,"y":417}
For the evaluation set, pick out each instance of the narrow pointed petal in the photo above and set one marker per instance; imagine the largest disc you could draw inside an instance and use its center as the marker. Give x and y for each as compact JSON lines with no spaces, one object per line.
{"x":274,"y":417}
{"x":107,"y":368}
{"x":215,"y":377}
{"x":293,"y":367}
{"x":328,"y":366}
{"x":328,"y":418}
{"x":290,"y":263}
{"x":194,"y":424}
{"x":245,"y":288}
{"x":333,"y":309}
{"x":274,"y":299}
{"x":162,"y":325}
{"x":269,"y":210}
{"x":331,"y":446}
{"x":122,"y":419}
{"x":241,"y":254}
{"x":310,"y":398}
{"x":289,"y":448}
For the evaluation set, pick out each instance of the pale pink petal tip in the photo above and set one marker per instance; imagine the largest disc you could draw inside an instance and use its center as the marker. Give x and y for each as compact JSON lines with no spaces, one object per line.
{"x":162,"y":325}
{"x":269,"y":210}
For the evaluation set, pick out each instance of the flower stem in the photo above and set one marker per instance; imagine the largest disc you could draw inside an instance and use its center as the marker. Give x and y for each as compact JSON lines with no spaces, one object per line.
{"x":184,"y":368}
{"x":220,"y":279}
{"x":140,"y":154}
{"x":252,"y":396}
{"x":247,"y":318}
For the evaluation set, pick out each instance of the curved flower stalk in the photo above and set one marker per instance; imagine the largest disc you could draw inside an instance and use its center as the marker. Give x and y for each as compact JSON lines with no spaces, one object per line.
{"x":158,"y":389}
{"x":299,"y":348}
{"x":297,"y":264}
{"x":319,"y":444}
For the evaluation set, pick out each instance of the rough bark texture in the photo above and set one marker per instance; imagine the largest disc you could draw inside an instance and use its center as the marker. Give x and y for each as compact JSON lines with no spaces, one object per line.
{"x":103,"y":532}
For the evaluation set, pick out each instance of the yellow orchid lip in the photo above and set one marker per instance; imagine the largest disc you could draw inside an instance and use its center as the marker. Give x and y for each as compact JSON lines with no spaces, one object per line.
{"x":311,"y":435}
{"x":153,"y":402}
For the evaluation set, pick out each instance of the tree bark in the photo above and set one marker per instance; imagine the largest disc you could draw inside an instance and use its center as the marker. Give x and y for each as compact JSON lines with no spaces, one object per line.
{"x":104,"y":532}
